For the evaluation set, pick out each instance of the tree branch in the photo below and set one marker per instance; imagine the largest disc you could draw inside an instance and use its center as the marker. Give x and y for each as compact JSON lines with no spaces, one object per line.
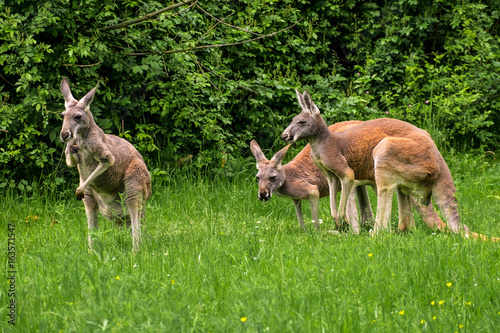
{"x":146,"y":17}
{"x":82,"y":66}
{"x":229,"y":25}
{"x":213,"y":45}
{"x":213,"y":27}
{"x":201,"y":69}
{"x":6,"y":80}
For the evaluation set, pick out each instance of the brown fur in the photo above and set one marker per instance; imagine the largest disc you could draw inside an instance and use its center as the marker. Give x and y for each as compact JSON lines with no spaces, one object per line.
{"x":110,"y":167}
{"x":300,"y":180}
{"x":395,"y":155}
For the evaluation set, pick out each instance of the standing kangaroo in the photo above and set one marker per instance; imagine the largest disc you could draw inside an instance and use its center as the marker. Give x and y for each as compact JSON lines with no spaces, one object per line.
{"x":300,"y":179}
{"x":110,"y":168}
{"x":393,"y":154}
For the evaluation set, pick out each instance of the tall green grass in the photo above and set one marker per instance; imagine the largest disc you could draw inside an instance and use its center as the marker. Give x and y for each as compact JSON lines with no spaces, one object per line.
{"x":215,"y":259}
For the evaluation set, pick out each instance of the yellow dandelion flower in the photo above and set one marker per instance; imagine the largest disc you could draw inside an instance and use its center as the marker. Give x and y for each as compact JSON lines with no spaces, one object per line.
{"x":173,"y":281}
{"x":70,"y":303}
{"x":243,"y":319}
{"x":434,"y":318}
{"x":460,"y":326}
{"x":402,"y":312}
{"x":467,"y":303}
{"x":441,"y":302}
{"x":118,"y":278}
{"x":432,"y":303}
{"x":449,"y":284}
{"x":422,"y":321}
{"x":370,"y":255}
{"x":373,"y":321}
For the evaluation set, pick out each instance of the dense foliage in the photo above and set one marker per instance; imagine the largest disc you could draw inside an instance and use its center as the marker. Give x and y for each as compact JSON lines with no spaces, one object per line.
{"x":169,"y":85}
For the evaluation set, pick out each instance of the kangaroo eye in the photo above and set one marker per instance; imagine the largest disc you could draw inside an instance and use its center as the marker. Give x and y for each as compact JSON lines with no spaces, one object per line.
{"x":273,"y":178}
{"x":301,"y":122}
{"x":78,"y":117}
{"x":257,"y":177}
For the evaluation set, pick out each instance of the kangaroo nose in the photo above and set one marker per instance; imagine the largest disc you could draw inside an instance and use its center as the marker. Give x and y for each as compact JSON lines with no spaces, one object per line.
{"x":284,"y":136}
{"x":65,"y":136}
{"x":264,"y":196}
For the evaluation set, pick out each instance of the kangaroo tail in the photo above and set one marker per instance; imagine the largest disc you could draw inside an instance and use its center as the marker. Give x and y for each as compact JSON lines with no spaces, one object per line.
{"x":444,"y":196}
{"x":475,"y":235}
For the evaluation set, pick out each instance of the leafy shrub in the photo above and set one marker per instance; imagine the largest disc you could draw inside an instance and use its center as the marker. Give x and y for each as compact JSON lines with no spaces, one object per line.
{"x":360,"y":60}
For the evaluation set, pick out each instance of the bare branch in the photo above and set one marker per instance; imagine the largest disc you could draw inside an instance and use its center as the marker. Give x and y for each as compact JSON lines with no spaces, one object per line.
{"x":6,"y":80}
{"x":82,"y":66}
{"x":164,"y":66}
{"x":201,"y":69}
{"x":216,"y":24}
{"x":146,"y":17}
{"x":213,"y":45}
{"x":229,"y":25}
{"x":183,"y":10}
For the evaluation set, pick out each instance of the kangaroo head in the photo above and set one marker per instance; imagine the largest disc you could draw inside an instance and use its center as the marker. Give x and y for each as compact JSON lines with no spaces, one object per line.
{"x":77,"y":118}
{"x":304,"y":124}
{"x":271,"y":175}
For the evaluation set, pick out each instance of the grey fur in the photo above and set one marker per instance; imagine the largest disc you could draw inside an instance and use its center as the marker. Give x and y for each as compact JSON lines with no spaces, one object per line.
{"x":110,"y":168}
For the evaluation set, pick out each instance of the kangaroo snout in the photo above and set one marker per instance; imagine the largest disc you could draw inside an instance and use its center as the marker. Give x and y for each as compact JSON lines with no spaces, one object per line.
{"x":264,"y":195}
{"x":286,"y":137}
{"x":65,"y":136}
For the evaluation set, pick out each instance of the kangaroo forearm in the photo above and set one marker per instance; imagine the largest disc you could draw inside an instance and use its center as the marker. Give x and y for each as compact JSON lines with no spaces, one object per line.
{"x":101,"y":167}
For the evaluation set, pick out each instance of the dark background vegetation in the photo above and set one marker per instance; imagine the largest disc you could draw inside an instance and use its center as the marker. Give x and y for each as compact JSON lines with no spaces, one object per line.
{"x":168,"y":86}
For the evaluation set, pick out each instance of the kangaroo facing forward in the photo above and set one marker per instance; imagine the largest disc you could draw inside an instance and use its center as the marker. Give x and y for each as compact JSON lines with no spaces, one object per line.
{"x":393,"y":154}
{"x":300,"y":180}
{"x":110,"y":168}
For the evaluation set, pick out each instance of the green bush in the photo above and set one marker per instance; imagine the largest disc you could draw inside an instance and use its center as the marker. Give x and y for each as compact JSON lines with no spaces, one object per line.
{"x":360,"y":60}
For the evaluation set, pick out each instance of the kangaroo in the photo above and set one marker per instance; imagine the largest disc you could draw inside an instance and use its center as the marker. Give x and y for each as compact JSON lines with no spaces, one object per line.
{"x":392,"y":154}
{"x":300,"y":179}
{"x":110,"y":167}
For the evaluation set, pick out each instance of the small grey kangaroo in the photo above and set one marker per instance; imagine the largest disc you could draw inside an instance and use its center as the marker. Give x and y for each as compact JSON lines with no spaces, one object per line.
{"x":111,"y":169}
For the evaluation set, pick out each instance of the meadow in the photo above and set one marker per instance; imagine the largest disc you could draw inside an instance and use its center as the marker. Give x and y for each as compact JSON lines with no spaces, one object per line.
{"x":216,"y":259}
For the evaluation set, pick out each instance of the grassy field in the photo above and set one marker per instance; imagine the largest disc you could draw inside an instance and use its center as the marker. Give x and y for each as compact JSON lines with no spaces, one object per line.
{"x":215,"y":259}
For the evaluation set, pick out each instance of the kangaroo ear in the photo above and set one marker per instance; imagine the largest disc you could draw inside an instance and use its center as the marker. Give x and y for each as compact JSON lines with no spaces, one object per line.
{"x":66,"y":92}
{"x":313,"y":109}
{"x":257,"y":152}
{"x":300,"y":98}
{"x":87,"y":99}
{"x":278,"y":157}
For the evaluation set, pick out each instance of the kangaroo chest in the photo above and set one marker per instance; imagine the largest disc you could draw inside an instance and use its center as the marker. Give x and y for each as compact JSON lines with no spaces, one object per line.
{"x":87,"y":163}
{"x":107,"y":182}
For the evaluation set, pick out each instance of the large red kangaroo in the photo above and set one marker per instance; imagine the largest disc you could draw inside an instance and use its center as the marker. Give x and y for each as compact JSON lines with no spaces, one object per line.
{"x":392,"y":154}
